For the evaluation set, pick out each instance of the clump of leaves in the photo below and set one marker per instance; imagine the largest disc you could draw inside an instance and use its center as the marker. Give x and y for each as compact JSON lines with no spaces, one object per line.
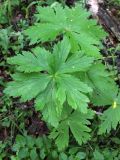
{"x":3,"y":151}
{"x":64,"y":81}
{"x":31,"y":147}
{"x":6,"y":10}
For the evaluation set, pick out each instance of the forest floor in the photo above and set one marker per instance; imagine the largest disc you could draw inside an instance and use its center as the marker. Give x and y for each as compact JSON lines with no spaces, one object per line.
{"x":21,"y":118}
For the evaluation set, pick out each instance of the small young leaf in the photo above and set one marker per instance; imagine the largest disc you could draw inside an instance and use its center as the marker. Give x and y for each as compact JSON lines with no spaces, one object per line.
{"x":33,"y":154}
{"x":77,"y":122}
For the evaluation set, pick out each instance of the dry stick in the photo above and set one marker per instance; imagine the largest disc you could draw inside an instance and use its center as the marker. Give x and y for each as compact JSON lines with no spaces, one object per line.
{"x":105,"y":18}
{"x":109,"y":22}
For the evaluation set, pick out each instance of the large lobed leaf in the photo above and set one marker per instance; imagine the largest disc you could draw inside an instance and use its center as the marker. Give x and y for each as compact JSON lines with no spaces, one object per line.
{"x":73,"y":89}
{"x":82,"y":32}
{"x":111,"y":117}
{"x":104,"y":88}
{"x":75,"y":122}
{"x":28,"y":62}
{"x":27,"y":86}
{"x":47,"y":77}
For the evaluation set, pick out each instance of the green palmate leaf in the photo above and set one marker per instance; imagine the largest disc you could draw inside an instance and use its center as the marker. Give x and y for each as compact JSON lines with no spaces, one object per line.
{"x":54,"y":85}
{"x":97,"y":155}
{"x":111,"y":117}
{"x":70,"y":82}
{"x":74,"y":90}
{"x":28,"y":62}
{"x":33,"y":154}
{"x":104,"y":87}
{"x":27,"y":86}
{"x":79,"y":130}
{"x":23,"y":153}
{"x":52,"y":108}
{"x":62,"y":50}
{"x":51,"y":115}
{"x":73,"y":23}
{"x":76,"y":63}
{"x":62,"y":135}
{"x":77,"y":123}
